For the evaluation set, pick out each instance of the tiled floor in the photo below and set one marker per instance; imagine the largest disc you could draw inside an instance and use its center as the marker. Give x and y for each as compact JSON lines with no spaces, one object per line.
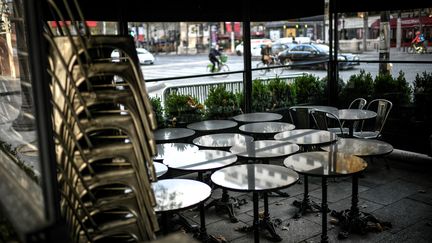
{"x":401,"y":195}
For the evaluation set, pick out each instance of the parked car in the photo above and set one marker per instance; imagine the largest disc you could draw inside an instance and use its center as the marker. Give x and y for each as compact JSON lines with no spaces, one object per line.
{"x":256,"y":45}
{"x":316,"y":55}
{"x":279,"y":47}
{"x":144,"y":56}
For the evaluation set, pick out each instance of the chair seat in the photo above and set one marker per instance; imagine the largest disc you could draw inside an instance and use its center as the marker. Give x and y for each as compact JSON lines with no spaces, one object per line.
{"x":367,"y":135}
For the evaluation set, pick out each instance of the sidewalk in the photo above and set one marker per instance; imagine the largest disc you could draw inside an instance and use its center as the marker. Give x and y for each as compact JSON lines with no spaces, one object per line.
{"x":401,"y":195}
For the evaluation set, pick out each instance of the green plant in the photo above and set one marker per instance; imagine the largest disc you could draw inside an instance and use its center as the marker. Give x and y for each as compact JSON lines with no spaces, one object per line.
{"x":281,"y":93}
{"x":358,"y":85}
{"x":261,"y":100}
{"x":221,"y":104}
{"x":396,"y":90}
{"x":324,"y":87}
{"x":423,"y":96}
{"x":158,"y":110}
{"x":183,"y":108}
{"x":308,"y":89}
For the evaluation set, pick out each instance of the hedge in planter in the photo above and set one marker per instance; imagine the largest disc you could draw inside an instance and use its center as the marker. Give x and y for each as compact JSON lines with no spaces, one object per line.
{"x":281,"y":94}
{"x":358,"y":86}
{"x":308,"y":90}
{"x":183,"y":108}
{"x":261,"y":97}
{"x":396,"y":90}
{"x":423,"y":96}
{"x":324,"y":88}
{"x":221,"y":104}
{"x":158,"y":110}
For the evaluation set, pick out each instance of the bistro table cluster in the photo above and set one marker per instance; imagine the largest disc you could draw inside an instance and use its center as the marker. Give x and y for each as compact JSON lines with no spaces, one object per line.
{"x":238,"y":155}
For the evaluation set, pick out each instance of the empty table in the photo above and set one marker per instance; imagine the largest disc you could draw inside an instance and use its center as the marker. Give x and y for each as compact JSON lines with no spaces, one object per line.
{"x":160,"y":169}
{"x":265,"y":129}
{"x":166,"y":135}
{"x":166,"y":150}
{"x":307,"y":137}
{"x":257,"y":117}
{"x":353,"y":115}
{"x":212,"y":125}
{"x":264,"y":149}
{"x":360,"y":147}
{"x":324,"y":165}
{"x":256,"y":178}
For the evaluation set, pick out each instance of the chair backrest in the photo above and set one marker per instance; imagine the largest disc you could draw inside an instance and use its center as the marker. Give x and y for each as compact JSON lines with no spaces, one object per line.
{"x":383,"y":108}
{"x":358,"y":103}
{"x":300,"y":117}
{"x":321,"y":119}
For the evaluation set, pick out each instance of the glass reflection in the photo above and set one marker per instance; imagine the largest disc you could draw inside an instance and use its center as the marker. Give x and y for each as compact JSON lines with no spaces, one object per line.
{"x":264,"y":149}
{"x":202,"y":160}
{"x":325,"y":163}
{"x":175,"y":194}
{"x":307,"y":136}
{"x":254,"y":177}
{"x":267,"y":127}
{"x":167,"y":150}
{"x":360,"y":147}
{"x":222,"y":140}
{"x":160,"y":169}
{"x":172,"y":133}
{"x":211,"y":125}
{"x":258,"y":117}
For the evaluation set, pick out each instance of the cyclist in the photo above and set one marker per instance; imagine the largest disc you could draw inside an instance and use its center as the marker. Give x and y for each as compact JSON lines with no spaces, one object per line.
{"x":418,"y":39}
{"x":213,"y":57}
{"x":266,"y":53}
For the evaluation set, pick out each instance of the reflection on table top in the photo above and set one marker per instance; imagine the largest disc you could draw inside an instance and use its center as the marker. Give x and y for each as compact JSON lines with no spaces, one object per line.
{"x":258,"y":117}
{"x":307,"y":136}
{"x":221,"y":140}
{"x":264,"y":149}
{"x":266,"y":127}
{"x":325,"y":163}
{"x":202,"y":160}
{"x":160,"y":169}
{"x":355,"y":114}
{"x":360,"y":147}
{"x":166,"y":134}
{"x":166,"y":150}
{"x":176,"y":194}
{"x":325,"y":108}
{"x":212,"y":125}
{"x":254,"y":177}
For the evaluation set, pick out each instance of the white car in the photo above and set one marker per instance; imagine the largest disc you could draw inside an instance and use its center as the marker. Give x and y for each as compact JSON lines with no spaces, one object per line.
{"x":255,"y":47}
{"x":144,"y":56}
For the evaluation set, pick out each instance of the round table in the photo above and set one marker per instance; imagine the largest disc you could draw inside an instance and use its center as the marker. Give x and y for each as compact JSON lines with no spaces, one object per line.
{"x":264,"y":149}
{"x":324,"y":165}
{"x":256,"y":178}
{"x":202,"y":161}
{"x":174,"y":195}
{"x":160,"y":169}
{"x":353,"y":115}
{"x":166,"y":150}
{"x":330,"y":109}
{"x":257,"y":117}
{"x":221,"y":140}
{"x":212,"y":125}
{"x":307,"y":137}
{"x":360,"y":147}
{"x":166,"y":135}
{"x":263,"y":129}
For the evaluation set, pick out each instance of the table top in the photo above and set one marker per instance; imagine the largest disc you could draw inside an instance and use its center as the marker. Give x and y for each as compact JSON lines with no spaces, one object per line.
{"x":266,"y":127}
{"x":325,"y":108}
{"x":264,"y":149}
{"x":307,"y":136}
{"x":254,"y":177}
{"x":212,"y":125}
{"x":166,"y":150}
{"x":202,"y":160}
{"x":360,"y":147}
{"x":166,"y":134}
{"x":160,"y":169}
{"x":327,"y":164}
{"x":355,"y":114}
{"x":257,"y":117}
{"x":221,"y":140}
{"x":179,"y":194}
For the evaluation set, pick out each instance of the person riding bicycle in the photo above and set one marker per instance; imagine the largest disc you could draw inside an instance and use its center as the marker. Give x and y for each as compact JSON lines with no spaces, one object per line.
{"x":418,"y":40}
{"x":266,"y":53}
{"x":213,"y":57}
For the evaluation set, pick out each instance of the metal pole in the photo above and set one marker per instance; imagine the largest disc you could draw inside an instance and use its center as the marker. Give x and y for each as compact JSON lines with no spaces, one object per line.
{"x":247,"y":75}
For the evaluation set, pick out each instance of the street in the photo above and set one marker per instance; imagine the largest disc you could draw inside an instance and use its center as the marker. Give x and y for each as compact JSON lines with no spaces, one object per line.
{"x":168,"y":66}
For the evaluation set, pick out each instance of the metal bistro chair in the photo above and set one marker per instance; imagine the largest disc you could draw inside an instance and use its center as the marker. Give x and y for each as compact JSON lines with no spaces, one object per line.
{"x":383,"y":108}
{"x":300,"y":117}
{"x":322,"y":120}
{"x":358,"y":103}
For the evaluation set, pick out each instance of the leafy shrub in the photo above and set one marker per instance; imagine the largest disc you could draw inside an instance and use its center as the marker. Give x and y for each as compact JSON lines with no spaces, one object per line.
{"x":261,"y":100}
{"x":183,"y":108}
{"x":158,"y":110}
{"x":358,"y":85}
{"x":324,"y":88}
{"x":281,"y":93}
{"x":221,"y":104}
{"x":308,"y":89}
{"x":423,"y":96}
{"x":396,"y":90}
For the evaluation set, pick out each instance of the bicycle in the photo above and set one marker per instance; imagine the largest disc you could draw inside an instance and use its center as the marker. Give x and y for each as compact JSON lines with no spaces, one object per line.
{"x":274,"y":61}
{"x":222,"y":67}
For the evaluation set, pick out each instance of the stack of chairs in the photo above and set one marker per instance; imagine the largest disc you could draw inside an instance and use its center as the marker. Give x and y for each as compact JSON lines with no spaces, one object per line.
{"x":103,"y":126}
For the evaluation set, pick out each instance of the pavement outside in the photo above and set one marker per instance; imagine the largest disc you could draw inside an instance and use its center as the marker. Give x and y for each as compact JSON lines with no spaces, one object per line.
{"x":401,"y":195}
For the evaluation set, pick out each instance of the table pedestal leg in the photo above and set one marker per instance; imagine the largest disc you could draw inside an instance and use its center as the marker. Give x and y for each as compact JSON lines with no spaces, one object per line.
{"x":306,"y":205}
{"x":227,"y":203}
{"x":324,"y":237}
{"x":256,"y":222}
{"x":266,"y":222}
{"x":354,"y":221}
{"x":203,"y":236}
